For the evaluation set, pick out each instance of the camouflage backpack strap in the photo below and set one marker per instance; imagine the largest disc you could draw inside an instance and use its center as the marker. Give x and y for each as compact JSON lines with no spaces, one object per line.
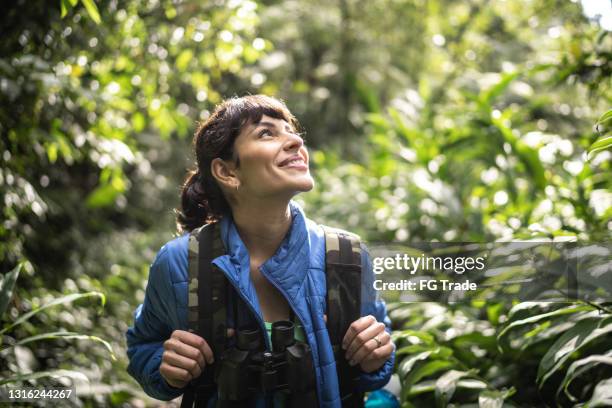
{"x":343,"y":277}
{"x":207,"y":292}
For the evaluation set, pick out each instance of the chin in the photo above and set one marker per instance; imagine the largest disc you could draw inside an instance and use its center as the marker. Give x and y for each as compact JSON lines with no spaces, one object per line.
{"x":306,"y":184}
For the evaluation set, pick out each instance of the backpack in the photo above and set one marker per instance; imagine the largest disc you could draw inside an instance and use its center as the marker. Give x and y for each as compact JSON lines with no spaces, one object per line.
{"x":208,"y":289}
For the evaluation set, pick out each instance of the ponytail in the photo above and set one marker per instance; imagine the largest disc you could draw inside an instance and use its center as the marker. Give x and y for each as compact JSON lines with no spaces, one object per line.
{"x":193,"y":202}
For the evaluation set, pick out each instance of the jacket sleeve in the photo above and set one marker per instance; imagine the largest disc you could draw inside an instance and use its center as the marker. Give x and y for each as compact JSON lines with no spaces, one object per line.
{"x":372,"y":304}
{"x":153,"y":325}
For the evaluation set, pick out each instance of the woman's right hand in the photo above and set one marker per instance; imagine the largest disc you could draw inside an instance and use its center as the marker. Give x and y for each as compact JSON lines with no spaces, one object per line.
{"x":185,"y":358}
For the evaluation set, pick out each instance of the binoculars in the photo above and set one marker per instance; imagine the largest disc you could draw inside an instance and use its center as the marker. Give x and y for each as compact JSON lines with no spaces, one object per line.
{"x":248,"y":368}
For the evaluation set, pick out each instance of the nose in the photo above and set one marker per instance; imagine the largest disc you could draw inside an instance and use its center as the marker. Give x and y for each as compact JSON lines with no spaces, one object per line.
{"x":293,"y":141}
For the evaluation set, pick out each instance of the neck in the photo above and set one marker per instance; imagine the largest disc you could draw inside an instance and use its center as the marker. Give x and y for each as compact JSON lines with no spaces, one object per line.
{"x":262,"y":227}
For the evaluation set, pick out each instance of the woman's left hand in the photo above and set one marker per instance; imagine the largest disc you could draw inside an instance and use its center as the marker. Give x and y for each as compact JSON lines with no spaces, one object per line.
{"x":367,"y":343}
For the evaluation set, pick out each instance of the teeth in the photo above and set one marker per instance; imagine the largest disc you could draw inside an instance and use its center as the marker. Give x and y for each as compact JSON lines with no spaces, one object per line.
{"x":294,"y":161}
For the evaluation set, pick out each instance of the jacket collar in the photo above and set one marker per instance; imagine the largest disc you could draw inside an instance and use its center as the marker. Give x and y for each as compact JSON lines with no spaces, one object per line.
{"x":286,"y":269}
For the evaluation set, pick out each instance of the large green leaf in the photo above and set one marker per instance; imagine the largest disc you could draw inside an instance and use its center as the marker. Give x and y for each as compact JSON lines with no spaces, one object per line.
{"x":446,"y":385}
{"x":421,"y":371}
{"x":502,"y":338}
{"x":574,"y":340}
{"x":580,"y":367}
{"x":406,"y":365}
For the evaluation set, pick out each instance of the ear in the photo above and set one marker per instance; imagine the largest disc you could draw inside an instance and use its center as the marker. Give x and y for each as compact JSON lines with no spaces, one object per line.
{"x":225,"y":173}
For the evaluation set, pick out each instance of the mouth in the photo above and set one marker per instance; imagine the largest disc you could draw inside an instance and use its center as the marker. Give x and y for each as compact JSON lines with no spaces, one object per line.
{"x":295,"y":161}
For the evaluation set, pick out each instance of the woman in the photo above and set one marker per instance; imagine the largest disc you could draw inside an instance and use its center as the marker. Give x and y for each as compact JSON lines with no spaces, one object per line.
{"x":250,"y":163}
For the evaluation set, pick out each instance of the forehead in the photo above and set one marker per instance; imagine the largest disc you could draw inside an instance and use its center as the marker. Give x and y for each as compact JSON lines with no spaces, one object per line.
{"x":267,"y":121}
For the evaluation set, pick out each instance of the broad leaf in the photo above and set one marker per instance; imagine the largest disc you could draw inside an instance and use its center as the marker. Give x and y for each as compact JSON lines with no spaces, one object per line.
{"x":446,"y":385}
{"x":572,"y":341}
{"x":578,"y":368}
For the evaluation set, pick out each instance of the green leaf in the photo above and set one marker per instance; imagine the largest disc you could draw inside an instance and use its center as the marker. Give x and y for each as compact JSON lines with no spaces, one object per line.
{"x":6,"y":287}
{"x":64,"y":5}
{"x":105,"y":194}
{"x":55,"y":302}
{"x":578,"y":337}
{"x":578,"y":368}
{"x":182,"y":61}
{"x":421,"y":371}
{"x":527,"y":155}
{"x":407,"y":364}
{"x":92,"y":10}
{"x":605,"y":117}
{"x":604,"y":142}
{"x":497,"y":89}
{"x":446,"y":385}
{"x":67,"y":335}
{"x":493,"y":399}
{"x":138,"y":122}
{"x":602,"y":395}
{"x":502,"y":340}
{"x":52,"y":150}
{"x":43,"y":374}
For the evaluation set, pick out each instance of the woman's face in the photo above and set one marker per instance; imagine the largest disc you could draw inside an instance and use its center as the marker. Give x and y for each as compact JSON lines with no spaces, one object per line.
{"x":273,"y":160}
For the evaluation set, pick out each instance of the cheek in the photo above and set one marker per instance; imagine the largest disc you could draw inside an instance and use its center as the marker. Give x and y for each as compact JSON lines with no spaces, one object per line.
{"x":258,"y":163}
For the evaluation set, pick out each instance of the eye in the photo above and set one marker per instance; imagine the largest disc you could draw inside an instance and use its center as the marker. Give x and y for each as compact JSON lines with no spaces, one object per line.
{"x":265,"y":132}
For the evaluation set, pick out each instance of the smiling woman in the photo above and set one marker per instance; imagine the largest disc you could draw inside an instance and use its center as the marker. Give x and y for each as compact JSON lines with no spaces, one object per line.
{"x":236,"y":309}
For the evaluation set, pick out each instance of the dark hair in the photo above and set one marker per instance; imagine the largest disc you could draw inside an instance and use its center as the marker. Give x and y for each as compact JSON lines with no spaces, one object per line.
{"x":202,"y":200}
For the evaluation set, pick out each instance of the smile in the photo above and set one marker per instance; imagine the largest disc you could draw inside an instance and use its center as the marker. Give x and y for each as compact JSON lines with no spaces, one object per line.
{"x":296,"y":162}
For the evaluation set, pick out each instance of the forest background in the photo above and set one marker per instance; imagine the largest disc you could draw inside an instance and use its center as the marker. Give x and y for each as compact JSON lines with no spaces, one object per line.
{"x":437,"y":120}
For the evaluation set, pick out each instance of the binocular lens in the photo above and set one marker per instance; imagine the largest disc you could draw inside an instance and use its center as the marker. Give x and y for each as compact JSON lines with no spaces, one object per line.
{"x":282,"y":335}
{"x":248,"y":338}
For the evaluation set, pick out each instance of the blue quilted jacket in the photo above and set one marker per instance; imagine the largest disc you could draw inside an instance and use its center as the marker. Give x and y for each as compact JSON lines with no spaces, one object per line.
{"x":297,"y":269}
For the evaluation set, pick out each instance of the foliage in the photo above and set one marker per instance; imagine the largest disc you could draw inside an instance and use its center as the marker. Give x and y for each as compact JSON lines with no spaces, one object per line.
{"x":426,"y":120}
{"x":97,"y":101}
{"x":478,"y":353}
{"x":12,"y":345}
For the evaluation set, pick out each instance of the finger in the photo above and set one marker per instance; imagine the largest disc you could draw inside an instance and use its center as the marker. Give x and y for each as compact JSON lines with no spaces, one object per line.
{"x":370,"y":347}
{"x":195,"y":341}
{"x":376,"y":360}
{"x":363,"y":337}
{"x":231,"y":332}
{"x":355,"y":328}
{"x":185,"y":350}
{"x":382,"y":353}
{"x":176,"y":360}
{"x":325,"y":318}
{"x":175,"y":376}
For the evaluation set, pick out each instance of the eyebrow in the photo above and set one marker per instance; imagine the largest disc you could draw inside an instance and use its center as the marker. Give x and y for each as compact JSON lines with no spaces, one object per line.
{"x":273,"y":126}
